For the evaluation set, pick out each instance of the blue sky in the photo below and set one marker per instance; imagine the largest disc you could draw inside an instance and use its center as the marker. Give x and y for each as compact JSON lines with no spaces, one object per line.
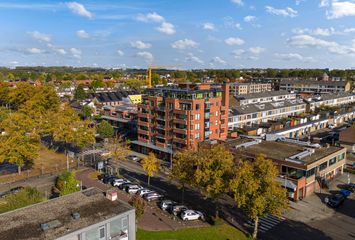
{"x":184,"y":33}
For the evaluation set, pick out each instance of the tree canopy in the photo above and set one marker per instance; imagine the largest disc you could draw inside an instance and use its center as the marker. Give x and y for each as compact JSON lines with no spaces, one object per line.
{"x":66,"y":183}
{"x":150,"y":165}
{"x":105,"y":129}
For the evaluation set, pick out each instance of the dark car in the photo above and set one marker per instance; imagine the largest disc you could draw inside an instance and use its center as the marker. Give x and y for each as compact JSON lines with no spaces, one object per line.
{"x":336,"y":200}
{"x":177,"y":209}
{"x":109,"y":179}
{"x":11,"y":191}
{"x":350,"y":187}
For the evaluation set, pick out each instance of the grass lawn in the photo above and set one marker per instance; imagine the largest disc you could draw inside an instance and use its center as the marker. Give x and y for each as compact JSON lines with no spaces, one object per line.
{"x":220,"y":232}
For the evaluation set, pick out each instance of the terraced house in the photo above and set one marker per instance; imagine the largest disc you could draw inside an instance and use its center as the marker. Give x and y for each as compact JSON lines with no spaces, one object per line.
{"x":303,"y":167}
{"x":247,"y":115}
{"x":175,"y":118}
{"x":331,"y":100}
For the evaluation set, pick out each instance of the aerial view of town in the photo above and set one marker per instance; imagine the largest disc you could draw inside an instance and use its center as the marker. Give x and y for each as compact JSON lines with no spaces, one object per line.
{"x":177,"y":120}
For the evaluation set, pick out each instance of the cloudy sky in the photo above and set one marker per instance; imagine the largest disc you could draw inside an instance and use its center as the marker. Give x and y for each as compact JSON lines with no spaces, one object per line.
{"x":185,"y":33}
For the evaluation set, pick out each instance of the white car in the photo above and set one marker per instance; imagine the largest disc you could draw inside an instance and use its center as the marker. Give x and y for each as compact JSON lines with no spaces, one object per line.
{"x":143,"y":191}
{"x":132,"y":189}
{"x":133,"y":158}
{"x":118,"y":182}
{"x":189,"y":215}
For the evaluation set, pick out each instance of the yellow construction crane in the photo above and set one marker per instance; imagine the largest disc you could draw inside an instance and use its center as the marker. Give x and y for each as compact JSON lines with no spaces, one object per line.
{"x":149,"y":70}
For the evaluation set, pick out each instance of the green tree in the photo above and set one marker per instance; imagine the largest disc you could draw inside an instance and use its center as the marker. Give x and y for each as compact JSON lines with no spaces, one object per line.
{"x":256,"y":191}
{"x":118,"y":150}
{"x":23,"y":198}
{"x":150,"y":165}
{"x":183,"y":169}
{"x":19,"y":149}
{"x":134,"y":83}
{"x":105,"y":129}
{"x":10,"y":76}
{"x":214,"y":166}
{"x":80,"y":93}
{"x":66,"y":183}
{"x":97,"y":84}
{"x":86,"y":112}
{"x":22,"y":93}
{"x":138,"y":203}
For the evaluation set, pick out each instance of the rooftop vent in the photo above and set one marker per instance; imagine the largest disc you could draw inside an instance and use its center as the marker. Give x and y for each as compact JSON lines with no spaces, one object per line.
{"x":49,"y":225}
{"x":75,"y":216}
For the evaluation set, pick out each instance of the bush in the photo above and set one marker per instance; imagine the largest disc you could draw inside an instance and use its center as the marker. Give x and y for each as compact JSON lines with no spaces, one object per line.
{"x":66,"y":183}
{"x":23,"y":198}
{"x":138,"y":203}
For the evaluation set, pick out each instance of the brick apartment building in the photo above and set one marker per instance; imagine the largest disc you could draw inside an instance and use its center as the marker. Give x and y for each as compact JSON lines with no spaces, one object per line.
{"x":180,"y":117}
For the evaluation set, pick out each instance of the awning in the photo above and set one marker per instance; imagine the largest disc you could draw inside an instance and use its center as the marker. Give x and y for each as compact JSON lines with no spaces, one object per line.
{"x":151,"y":146}
{"x":287,"y":183}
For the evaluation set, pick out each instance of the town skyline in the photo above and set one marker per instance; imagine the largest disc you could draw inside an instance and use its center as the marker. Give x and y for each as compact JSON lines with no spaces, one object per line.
{"x":190,"y":35}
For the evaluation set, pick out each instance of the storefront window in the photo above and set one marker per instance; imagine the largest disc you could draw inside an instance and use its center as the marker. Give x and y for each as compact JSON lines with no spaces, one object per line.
{"x":332,"y":161}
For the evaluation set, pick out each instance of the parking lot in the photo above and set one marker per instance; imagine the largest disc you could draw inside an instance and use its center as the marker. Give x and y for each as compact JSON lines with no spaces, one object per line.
{"x":313,"y":219}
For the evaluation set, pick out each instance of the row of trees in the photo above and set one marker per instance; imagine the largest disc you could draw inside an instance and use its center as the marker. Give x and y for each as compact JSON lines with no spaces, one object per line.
{"x":214,"y":172}
{"x":29,"y":113}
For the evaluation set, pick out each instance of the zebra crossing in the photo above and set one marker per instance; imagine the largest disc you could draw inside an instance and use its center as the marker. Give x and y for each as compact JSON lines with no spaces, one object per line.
{"x":266,"y":223}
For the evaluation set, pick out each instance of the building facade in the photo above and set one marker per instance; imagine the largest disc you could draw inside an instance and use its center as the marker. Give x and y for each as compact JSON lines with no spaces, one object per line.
{"x":264,"y":97}
{"x":79,"y":216}
{"x":247,"y":115}
{"x":331,"y":100}
{"x":175,"y":118}
{"x":311,"y":86}
{"x":247,"y":88}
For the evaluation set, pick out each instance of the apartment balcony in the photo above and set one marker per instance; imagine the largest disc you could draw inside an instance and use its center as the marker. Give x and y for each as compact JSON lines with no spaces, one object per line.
{"x":161,"y":118}
{"x":141,"y":131}
{"x":181,"y":121}
{"x":143,"y":140}
{"x":180,"y":130}
{"x":162,"y":145}
{"x":145,"y":124}
{"x":159,"y":126}
{"x":180,"y":140}
{"x":182,"y":112}
{"x":161,"y":136}
{"x":143,"y":106}
{"x":143,"y":115}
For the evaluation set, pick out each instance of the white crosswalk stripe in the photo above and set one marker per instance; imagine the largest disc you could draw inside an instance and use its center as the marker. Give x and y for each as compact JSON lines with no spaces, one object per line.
{"x":266,"y":223}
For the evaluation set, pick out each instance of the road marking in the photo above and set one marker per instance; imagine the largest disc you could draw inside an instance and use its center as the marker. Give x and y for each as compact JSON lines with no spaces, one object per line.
{"x":267,"y":223}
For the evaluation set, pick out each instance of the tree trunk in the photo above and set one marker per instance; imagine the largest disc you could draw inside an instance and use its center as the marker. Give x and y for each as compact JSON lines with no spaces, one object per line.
{"x":19,"y":169}
{"x":256,"y":225}
{"x":148,"y":180}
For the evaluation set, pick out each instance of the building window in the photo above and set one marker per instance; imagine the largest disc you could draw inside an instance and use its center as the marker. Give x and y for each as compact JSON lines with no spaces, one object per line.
{"x":311,"y":172}
{"x":216,"y":122}
{"x":341,"y":156}
{"x":197,"y":116}
{"x":197,"y":126}
{"x":197,"y":106}
{"x":323,"y":166}
{"x":332,"y":161}
{"x":217,"y":114}
{"x":197,"y":135}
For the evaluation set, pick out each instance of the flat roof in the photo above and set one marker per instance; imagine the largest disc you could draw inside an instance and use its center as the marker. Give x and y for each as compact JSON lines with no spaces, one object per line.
{"x":282,"y":150}
{"x":263,"y":94}
{"x":93,"y":206}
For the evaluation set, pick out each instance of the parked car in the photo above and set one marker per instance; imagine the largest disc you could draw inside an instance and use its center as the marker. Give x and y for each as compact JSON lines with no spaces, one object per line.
{"x":109,"y":180}
{"x":152,"y":196}
{"x":189,"y":215}
{"x":11,"y":191}
{"x":103,"y":176}
{"x":132,"y":189}
{"x":336,"y":200}
{"x":124,"y":185}
{"x":165,"y":204}
{"x":349,"y":187}
{"x":143,"y":191}
{"x":133,"y":158}
{"x":118,"y":181}
{"x":332,"y":126}
{"x":177,"y":209}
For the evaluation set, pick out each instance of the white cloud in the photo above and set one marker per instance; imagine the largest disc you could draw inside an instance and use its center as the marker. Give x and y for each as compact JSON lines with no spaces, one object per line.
{"x":218,"y":60}
{"x":82,"y":34}
{"x":293,"y":57}
{"x":193,"y":58}
{"x":184,"y":44}
{"x":166,"y":28}
{"x":298,"y":2}
{"x":238,"y":26}
{"x":60,"y":51}
{"x":209,"y":26}
{"x":238,"y":2}
{"x":120,"y":53}
{"x":238,"y":53}
{"x":287,"y":12}
{"x":34,"y":51}
{"x":150,"y":17}
{"x":147,"y":56}
{"x":331,"y":46}
{"x":316,"y":31}
{"x":141,"y":45}
{"x":256,"y":50}
{"x":338,"y":9}
{"x":249,"y":18}
{"x":76,"y":53}
{"x":349,"y":30}
{"x":234,"y":41}
{"x":42,"y":37}
{"x":79,"y":9}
